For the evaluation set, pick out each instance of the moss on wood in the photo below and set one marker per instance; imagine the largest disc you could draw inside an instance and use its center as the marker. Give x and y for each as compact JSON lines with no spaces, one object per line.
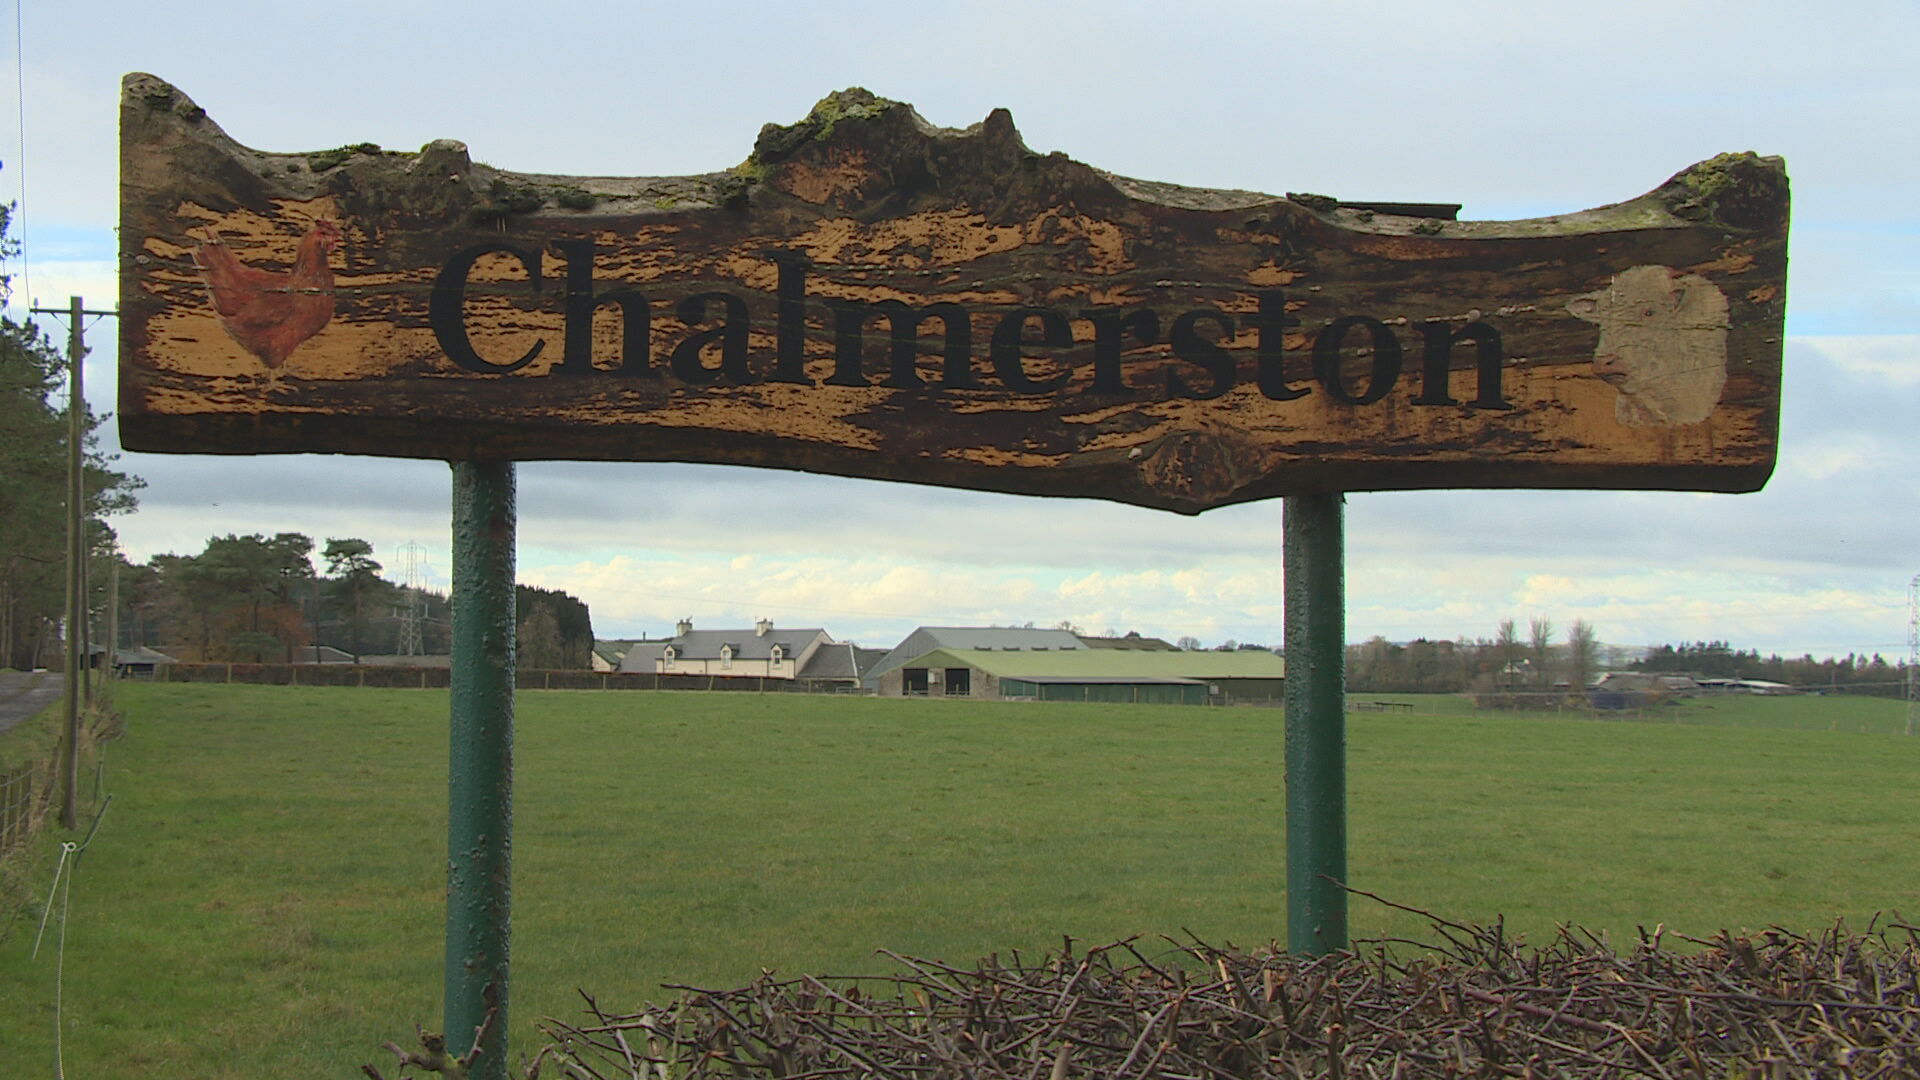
{"x":327,"y":159}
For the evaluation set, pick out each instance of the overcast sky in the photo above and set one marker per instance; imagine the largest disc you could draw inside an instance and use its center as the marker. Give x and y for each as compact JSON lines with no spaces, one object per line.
{"x":1515,"y":110}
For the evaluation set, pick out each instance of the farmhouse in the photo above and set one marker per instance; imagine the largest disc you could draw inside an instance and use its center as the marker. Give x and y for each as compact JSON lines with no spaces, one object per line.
{"x":1103,"y":675}
{"x":760,"y":652}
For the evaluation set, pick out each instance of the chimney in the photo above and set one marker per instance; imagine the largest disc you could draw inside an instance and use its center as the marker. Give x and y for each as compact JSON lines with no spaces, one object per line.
{"x":763,"y":628}
{"x":683,"y":627}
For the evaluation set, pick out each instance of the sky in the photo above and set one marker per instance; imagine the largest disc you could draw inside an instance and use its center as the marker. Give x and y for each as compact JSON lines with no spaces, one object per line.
{"x":1513,"y":109}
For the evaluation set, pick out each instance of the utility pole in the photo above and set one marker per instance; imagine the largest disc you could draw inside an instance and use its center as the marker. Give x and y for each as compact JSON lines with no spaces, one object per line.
{"x":79,"y":648}
{"x":1913,"y":656}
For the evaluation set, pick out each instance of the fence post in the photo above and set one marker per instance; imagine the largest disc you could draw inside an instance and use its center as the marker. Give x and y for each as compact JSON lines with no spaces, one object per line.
{"x":480,"y":765}
{"x":1314,"y":559}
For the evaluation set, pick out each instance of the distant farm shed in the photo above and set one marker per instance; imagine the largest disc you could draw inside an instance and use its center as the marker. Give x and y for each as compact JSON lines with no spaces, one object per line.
{"x":139,"y":662}
{"x":1097,"y":675}
{"x":925,"y":639}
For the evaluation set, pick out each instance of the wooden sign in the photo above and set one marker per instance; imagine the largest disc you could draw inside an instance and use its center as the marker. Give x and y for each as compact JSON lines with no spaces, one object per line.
{"x":867,"y":295}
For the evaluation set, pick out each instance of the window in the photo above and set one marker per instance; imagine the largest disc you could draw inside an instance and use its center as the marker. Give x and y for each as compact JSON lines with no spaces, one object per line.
{"x":959,"y":682}
{"x":913,"y":681}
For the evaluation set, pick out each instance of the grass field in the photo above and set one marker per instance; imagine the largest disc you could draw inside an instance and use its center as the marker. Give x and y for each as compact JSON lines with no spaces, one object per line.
{"x":265,"y":895}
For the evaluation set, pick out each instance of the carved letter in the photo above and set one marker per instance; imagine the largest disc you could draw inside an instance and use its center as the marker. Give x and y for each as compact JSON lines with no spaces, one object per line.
{"x":903,"y":329}
{"x":1386,"y":359}
{"x":1436,"y":361}
{"x":1108,"y":329}
{"x":730,"y":335}
{"x":447,"y":309}
{"x":1188,"y":345}
{"x":790,"y":333}
{"x":1010,"y":340}
{"x":636,"y":318}
{"x":1273,"y":321}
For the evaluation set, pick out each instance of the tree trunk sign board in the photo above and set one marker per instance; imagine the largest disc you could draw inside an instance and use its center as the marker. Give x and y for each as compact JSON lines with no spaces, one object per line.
{"x":868,"y":295}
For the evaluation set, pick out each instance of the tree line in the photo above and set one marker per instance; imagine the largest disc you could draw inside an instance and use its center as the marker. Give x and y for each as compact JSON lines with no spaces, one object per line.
{"x":1507,"y":661}
{"x":34,"y":426}
{"x":1853,"y":673}
{"x":1535,"y":661}
{"x":261,"y":599}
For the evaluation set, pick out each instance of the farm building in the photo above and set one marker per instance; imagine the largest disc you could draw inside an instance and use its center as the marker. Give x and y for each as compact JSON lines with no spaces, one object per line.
{"x":838,"y":665}
{"x":1101,"y":675}
{"x":139,"y":662}
{"x":320,"y":654}
{"x":609,"y":654}
{"x":928,"y":638}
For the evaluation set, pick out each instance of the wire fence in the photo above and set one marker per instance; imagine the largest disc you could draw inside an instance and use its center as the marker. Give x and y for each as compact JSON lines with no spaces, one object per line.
{"x":23,"y":805}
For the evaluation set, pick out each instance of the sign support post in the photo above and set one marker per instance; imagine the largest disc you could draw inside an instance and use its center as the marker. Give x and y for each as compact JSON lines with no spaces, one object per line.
{"x":1314,"y":556}
{"x":480,"y":765}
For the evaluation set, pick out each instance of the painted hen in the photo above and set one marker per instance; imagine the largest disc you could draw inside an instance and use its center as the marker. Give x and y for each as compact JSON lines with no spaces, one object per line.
{"x":271,"y":314}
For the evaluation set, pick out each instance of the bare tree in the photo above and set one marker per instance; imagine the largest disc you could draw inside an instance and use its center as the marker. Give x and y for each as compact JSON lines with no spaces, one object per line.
{"x":1506,"y":649}
{"x":1188,"y":643}
{"x":1540,"y":643}
{"x":1582,"y":655}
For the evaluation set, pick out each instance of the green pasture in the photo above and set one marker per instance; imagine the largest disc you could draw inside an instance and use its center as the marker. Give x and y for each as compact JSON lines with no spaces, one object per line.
{"x":265,"y":895}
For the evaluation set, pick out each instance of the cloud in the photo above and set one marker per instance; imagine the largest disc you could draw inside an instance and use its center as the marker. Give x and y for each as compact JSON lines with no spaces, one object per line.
{"x":1818,"y":559}
{"x":1555,"y":111}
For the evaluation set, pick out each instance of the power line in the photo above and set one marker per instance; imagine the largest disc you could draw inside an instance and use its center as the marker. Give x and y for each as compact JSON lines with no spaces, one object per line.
{"x":413,"y":601}
{"x":20,"y":99}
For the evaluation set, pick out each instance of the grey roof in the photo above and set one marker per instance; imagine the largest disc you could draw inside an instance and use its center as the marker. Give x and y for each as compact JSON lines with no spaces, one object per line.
{"x":747,"y":645}
{"x":1006,"y":638}
{"x":641,"y":656}
{"x":140,"y":654}
{"x":321,"y":654}
{"x":613,"y":650}
{"x":840,"y":660}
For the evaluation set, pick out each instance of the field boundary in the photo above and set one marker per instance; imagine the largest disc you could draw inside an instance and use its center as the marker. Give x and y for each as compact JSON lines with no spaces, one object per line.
{"x":400,"y":677}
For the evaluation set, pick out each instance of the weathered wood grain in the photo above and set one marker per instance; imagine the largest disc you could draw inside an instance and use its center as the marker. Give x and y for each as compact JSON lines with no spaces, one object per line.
{"x":1079,"y":333}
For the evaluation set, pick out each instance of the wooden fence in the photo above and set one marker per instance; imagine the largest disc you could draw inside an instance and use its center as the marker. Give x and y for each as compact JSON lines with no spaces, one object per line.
{"x":431,"y":678}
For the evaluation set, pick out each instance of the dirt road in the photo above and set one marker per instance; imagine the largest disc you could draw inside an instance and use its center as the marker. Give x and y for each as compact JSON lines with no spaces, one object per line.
{"x":23,"y":693}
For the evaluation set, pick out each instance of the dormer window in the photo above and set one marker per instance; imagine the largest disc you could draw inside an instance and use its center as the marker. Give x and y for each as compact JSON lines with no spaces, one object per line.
{"x":669,"y":654}
{"x":726,"y":656}
{"x":777,"y":653}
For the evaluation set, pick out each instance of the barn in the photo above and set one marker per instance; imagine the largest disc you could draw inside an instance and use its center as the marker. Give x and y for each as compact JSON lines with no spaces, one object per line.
{"x":1093,"y":675}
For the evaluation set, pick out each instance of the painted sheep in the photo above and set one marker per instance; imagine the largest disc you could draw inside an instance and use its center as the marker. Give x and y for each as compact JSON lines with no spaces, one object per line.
{"x":1663,"y":344}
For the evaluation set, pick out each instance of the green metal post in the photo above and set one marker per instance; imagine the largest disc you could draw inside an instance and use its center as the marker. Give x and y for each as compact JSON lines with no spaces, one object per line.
{"x":480,"y":764}
{"x":1315,"y":565}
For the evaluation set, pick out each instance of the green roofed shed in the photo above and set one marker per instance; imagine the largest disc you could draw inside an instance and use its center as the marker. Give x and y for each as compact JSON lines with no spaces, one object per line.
{"x":1099,"y":675}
